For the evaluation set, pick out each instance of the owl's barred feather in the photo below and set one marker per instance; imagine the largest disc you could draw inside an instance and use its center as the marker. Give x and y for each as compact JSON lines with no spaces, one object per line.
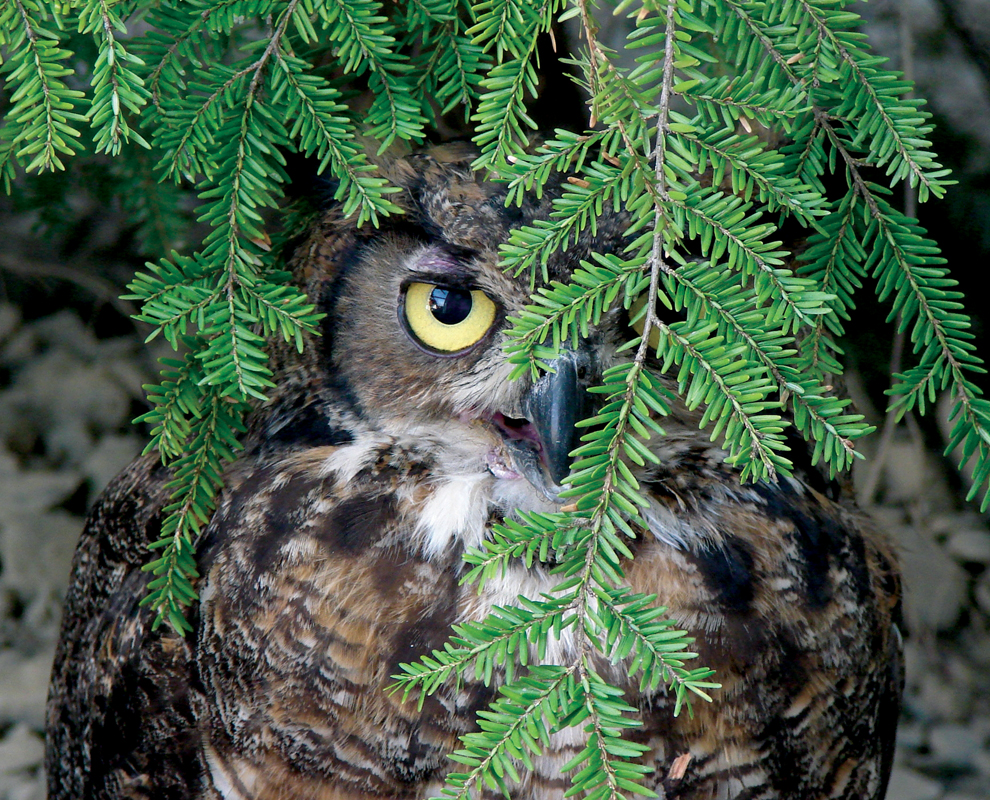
{"x":335,"y":556}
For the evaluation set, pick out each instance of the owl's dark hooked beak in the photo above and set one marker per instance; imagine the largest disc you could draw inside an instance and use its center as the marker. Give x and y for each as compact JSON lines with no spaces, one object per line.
{"x":554,"y":405}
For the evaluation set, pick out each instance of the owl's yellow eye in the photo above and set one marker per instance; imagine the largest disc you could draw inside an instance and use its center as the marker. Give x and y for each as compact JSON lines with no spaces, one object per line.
{"x":637,"y":317}
{"x":447,"y":319}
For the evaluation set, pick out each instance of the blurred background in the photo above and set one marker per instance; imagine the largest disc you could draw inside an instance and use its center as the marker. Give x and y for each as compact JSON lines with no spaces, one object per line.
{"x":72,"y":364}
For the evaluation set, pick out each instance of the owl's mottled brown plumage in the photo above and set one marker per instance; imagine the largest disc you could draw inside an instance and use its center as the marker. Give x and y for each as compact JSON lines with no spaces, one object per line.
{"x":335,"y":555}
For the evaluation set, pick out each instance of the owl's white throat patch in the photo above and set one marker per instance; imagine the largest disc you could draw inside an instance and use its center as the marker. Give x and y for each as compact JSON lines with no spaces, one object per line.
{"x":457,"y":509}
{"x":473,"y":476}
{"x":473,"y":479}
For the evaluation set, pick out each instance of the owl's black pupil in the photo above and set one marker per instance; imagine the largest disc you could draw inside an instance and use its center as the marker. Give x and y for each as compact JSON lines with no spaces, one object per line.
{"x":450,"y":306}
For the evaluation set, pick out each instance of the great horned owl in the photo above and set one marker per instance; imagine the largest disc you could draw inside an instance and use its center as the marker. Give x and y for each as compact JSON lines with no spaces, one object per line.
{"x":392,"y":444}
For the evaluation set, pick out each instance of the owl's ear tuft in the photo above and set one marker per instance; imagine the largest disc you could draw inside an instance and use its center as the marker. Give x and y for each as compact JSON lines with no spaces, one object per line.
{"x":436,"y":162}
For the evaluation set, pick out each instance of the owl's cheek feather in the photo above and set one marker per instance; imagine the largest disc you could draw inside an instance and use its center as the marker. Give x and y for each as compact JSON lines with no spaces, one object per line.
{"x":456,"y":513}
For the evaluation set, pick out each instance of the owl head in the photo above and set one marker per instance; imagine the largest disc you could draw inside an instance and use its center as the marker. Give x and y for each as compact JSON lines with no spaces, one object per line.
{"x":417,"y":314}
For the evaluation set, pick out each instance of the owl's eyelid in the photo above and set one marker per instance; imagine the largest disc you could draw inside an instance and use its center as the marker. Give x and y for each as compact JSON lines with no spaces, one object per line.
{"x":458,"y":279}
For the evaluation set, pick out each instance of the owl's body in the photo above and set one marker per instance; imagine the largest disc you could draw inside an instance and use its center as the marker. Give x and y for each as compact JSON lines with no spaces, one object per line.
{"x":335,"y":556}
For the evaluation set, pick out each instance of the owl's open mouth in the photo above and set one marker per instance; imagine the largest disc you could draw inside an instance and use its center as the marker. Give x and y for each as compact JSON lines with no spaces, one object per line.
{"x":523,"y":455}
{"x":515,"y":428}
{"x":538,"y":445}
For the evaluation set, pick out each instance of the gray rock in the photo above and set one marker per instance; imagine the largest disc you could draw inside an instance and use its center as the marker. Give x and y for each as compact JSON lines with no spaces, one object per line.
{"x":954,"y":744}
{"x":906,"y":472}
{"x":37,"y":552}
{"x":21,"y":787}
{"x":906,"y":784}
{"x":922,"y":15}
{"x":915,"y":662}
{"x":24,"y":687}
{"x":961,"y":796}
{"x":129,"y":373}
{"x":890,"y":518}
{"x":10,"y":318}
{"x":975,"y":642}
{"x":19,"y":347}
{"x":64,"y":330}
{"x":911,"y":735}
{"x":939,"y":699}
{"x":972,"y":545}
{"x":111,"y":454}
{"x":20,"y":749}
{"x":935,"y":584}
{"x":961,"y":673}
{"x":982,"y":592}
{"x":26,"y":492}
{"x":948,"y":523}
{"x":981,"y":761}
{"x":970,"y":785}
{"x":66,"y":400}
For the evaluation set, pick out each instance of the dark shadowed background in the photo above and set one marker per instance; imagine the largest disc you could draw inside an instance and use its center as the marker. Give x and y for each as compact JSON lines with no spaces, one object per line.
{"x":72,"y":365}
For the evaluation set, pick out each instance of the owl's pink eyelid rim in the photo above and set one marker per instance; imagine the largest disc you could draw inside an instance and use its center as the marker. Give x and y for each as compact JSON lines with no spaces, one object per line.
{"x":438,"y":266}
{"x":455,"y":278}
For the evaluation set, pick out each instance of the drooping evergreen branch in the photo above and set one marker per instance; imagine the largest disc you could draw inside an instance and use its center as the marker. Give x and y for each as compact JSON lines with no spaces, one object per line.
{"x":906,"y":267}
{"x":728,"y":100}
{"x":739,"y":319}
{"x":510,"y":28}
{"x":607,"y":772}
{"x":555,"y":307}
{"x":512,"y":729}
{"x":567,"y":152}
{"x":176,"y":402}
{"x":503,"y":639}
{"x":365,"y":43}
{"x":634,"y":379}
{"x":177,"y":35}
{"x":886,"y":105}
{"x":530,"y":539}
{"x":38,"y":125}
{"x":227,"y":292}
{"x":330,"y":137}
{"x":810,"y":162}
{"x":637,"y":629}
{"x":196,"y":480}
{"x":115,"y":85}
{"x":836,"y":242}
{"x":452,"y":71}
{"x":715,"y":219}
{"x":235,"y":85}
{"x":750,"y":167}
{"x":185,"y":138}
{"x":503,"y":26}
{"x":707,"y":371}
{"x":606,"y":502}
{"x":763,"y":49}
{"x":578,"y":206}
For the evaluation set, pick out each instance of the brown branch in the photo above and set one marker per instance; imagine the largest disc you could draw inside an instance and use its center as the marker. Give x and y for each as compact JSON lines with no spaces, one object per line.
{"x":103,"y":290}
